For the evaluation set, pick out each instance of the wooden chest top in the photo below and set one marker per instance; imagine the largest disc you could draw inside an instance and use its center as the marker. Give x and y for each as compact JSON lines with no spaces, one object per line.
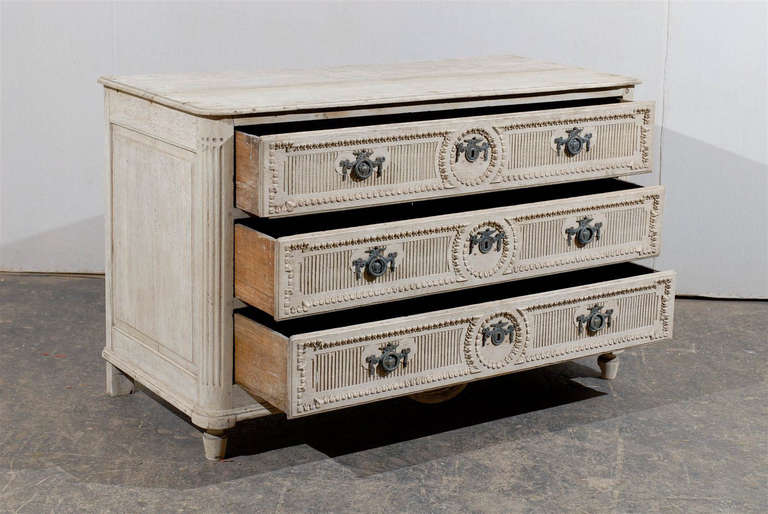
{"x":241,"y":93}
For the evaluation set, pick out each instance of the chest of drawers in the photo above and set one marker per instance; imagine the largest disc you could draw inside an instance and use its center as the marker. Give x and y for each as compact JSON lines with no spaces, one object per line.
{"x":294,"y":242}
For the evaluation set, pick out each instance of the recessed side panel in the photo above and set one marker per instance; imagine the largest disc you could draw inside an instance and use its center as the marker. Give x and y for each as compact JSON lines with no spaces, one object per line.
{"x":152,"y":244}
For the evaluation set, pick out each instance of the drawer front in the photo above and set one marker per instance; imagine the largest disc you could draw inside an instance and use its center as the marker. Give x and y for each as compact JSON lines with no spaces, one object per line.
{"x":289,"y":174}
{"x":333,"y":270}
{"x":333,"y":369}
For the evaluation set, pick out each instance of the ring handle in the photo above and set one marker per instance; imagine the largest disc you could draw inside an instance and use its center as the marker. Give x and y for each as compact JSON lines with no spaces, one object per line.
{"x":574,"y":142}
{"x":596,"y":320}
{"x":389,"y":359}
{"x":376,"y":264}
{"x":498,"y":332}
{"x":363,"y":165}
{"x":585,"y":233}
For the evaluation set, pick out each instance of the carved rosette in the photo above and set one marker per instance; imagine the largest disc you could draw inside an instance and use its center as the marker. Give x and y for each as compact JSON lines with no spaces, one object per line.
{"x":495,"y":341}
{"x":457,"y":168}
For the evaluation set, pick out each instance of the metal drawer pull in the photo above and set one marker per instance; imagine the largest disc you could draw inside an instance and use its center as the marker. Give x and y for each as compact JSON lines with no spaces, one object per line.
{"x":471,"y":149}
{"x":595,"y":320}
{"x":584,"y":233}
{"x":388,"y":360}
{"x":574,"y":142}
{"x":363,"y":166}
{"x":376,"y":264}
{"x":486,"y":239}
{"x":498,"y":332}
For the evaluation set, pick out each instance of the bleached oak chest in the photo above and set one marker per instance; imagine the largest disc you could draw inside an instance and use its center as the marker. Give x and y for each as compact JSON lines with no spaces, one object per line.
{"x":300,"y":241}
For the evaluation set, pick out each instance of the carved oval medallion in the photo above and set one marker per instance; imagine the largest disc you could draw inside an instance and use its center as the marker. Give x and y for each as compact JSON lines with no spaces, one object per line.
{"x":496,"y":340}
{"x":470,"y":157}
{"x":485,"y":248}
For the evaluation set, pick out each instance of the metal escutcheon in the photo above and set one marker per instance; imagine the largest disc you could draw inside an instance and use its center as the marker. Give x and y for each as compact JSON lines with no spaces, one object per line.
{"x":585,"y":233}
{"x":471,"y":148}
{"x":389,"y":359}
{"x":498,"y":332}
{"x":486,"y":240}
{"x":363,"y":165}
{"x":596,"y":320}
{"x":376,"y":264}
{"x":574,"y":142}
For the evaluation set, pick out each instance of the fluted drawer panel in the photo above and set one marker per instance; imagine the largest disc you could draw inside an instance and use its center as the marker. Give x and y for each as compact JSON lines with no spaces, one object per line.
{"x":331,"y":271}
{"x":542,"y":238}
{"x":315,"y":171}
{"x":557,"y":326}
{"x":533,"y":145}
{"x":312,"y":273}
{"x":308,"y":172}
{"x":339,"y":367}
{"x":344,"y":366}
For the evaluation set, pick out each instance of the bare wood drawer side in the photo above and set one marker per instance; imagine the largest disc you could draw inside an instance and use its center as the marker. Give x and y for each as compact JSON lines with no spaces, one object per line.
{"x":325,"y":170}
{"x":331,"y":270}
{"x":342,"y":367}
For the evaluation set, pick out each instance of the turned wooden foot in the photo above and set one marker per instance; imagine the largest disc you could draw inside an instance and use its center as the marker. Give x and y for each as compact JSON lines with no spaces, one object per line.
{"x":215,"y":444}
{"x":609,"y":365}
{"x":118,"y":383}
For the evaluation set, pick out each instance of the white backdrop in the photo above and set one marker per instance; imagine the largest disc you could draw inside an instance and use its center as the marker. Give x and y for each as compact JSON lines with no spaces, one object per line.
{"x":704,"y":64}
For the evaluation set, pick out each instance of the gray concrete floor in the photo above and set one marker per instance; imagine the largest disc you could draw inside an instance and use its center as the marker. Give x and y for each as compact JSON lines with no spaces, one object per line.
{"x":684,"y":428}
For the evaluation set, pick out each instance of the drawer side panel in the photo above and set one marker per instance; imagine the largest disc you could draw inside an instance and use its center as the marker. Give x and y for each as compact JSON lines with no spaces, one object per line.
{"x":255,"y":268}
{"x":260,"y":357}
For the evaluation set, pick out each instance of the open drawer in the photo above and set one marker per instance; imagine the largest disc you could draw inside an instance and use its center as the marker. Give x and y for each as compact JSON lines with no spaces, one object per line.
{"x":353,"y":357}
{"x":339,"y":260}
{"x":284,"y":173}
